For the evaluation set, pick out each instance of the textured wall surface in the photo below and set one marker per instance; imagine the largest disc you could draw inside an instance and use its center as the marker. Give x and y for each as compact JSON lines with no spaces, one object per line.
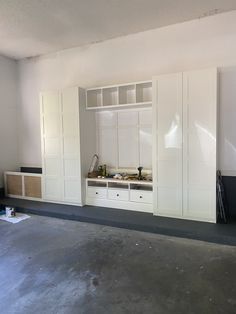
{"x":8,"y":114}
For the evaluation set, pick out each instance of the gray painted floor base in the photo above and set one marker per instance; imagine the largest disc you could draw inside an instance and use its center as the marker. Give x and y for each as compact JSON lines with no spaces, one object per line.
{"x":140,"y":221}
{"x":55,"y":266}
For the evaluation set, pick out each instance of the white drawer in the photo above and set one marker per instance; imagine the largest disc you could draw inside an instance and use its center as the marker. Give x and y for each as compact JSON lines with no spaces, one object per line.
{"x":97,"y":192}
{"x":141,"y":196}
{"x":118,"y":194}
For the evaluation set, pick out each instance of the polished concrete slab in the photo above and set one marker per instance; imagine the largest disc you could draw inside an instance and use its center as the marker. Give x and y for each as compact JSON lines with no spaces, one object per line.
{"x":56,"y":266}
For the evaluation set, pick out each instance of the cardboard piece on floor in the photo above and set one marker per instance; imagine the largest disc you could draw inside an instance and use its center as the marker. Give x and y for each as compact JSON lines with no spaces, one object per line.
{"x":19,"y":217}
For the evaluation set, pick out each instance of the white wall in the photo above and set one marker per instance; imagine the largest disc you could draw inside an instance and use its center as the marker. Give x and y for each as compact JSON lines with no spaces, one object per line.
{"x":200,"y":43}
{"x":8,"y":114}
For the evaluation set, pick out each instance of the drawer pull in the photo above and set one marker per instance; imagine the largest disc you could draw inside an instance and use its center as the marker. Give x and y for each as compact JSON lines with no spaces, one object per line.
{"x":117,"y":194}
{"x":96,"y":192}
{"x":140,"y":196}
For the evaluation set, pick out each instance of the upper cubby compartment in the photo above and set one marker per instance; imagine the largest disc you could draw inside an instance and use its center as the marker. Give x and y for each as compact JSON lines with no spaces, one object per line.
{"x":94,"y":98}
{"x":120,"y":96}
{"x":144,"y":92}
{"x":110,"y":96}
{"x":127,"y":94}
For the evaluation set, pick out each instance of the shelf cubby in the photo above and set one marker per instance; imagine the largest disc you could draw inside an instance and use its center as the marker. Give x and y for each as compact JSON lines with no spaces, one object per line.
{"x":118,"y":185}
{"x":97,"y":184}
{"x":110,"y":96}
{"x":144,"y":92}
{"x":140,"y":187}
{"x":94,"y":98}
{"x":127,"y":94}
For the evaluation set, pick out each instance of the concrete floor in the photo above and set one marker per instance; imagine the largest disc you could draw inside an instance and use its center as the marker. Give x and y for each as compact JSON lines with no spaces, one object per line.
{"x":48,"y":266}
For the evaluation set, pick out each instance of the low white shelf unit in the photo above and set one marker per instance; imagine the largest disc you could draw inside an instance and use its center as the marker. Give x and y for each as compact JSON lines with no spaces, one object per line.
{"x":122,"y":194}
{"x":115,"y":96}
{"x":23,"y":185}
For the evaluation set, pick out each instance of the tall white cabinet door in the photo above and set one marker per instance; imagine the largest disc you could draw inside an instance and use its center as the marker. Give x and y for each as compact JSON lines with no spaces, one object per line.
{"x":168,"y":116}
{"x":71,"y":145}
{"x":51,"y":145}
{"x":199,"y":151}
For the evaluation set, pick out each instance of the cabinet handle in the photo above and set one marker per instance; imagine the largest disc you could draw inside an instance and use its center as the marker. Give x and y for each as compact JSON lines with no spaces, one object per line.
{"x":140,"y":196}
{"x":96,"y":192}
{"x":117,"y":194}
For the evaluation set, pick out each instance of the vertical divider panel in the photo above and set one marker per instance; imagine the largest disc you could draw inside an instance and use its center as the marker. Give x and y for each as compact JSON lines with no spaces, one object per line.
{"x":23,"y":185}
{"x":185,"y":142}
{"x":154,"y":144}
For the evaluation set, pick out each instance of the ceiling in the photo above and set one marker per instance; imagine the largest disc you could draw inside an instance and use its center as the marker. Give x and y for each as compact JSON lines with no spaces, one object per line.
{"x":35,"y":27}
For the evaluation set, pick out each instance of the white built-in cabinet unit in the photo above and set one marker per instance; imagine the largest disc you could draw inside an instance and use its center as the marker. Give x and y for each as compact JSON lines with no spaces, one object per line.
{"x":68,"y":143}
{"x":185,"y":144}
{"x":168,"y":126}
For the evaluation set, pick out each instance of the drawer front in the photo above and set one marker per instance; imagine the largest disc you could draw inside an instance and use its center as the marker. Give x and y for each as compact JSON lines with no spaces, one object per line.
{"x":141,"y":197}
{"x":97,"y":192}
{"x":118,"y":195}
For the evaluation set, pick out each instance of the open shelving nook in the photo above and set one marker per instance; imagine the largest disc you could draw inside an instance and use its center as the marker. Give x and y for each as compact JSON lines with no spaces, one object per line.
{"x":94,"y":98}
{"x":119,"y":96}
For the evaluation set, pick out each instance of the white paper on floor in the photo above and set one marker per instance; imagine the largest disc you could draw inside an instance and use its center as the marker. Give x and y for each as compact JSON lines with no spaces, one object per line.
{"x":19,"y":217}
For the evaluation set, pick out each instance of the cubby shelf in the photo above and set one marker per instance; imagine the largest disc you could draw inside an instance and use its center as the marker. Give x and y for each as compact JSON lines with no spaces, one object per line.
{"x":119,"y":96}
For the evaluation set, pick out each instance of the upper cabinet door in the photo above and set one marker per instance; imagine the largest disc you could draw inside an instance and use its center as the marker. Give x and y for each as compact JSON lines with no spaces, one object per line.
{"x":200,"y":116}
{"x":124,"y":138}
{"x":145,"y":138}
{"x":106,"y":119}
{"x":70,"y":112}
{"x":128,"y":139}
{"x":145,"y":147}
{"x":128,"y":147}
{"x":168,"y":115}
{"x":51,"y":110}
{"x":107,"y":145}
{"x":107,"y":138}
{"x":51,"y":124}
{"x":51,"y":145}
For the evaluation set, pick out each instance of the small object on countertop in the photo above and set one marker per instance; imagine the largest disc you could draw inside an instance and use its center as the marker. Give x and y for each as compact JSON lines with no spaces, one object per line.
{"x":94,"y":163}
{"x":104,"y":170}
{"x":140,"y":173}
{"x":148,"y":177}
{"x":93,"y":174}
{"x":117,"y":176}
